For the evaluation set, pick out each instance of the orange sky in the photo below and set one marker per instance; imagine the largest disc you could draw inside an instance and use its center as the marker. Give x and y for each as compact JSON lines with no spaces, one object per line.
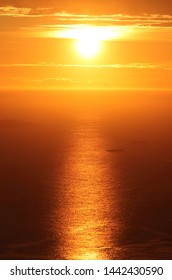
{"x":35,"y":54}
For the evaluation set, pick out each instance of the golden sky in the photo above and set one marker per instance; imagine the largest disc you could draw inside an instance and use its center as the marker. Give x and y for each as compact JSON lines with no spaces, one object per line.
{"x":86,"y":44}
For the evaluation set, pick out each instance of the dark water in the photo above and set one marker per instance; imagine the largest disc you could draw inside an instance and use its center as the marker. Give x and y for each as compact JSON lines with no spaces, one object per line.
{"x":85,"y":175}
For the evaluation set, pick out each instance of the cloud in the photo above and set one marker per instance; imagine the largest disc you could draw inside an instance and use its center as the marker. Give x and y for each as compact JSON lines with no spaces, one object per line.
{"x":52,"y":82}
{"x":13,"y":11}
{"x":22,"y":82}
{"x":154,"y":20}
{"x":118,"y":19}
{"x":25,"y":12}
{"x":115,"y":66}
{"x":96,"y":6}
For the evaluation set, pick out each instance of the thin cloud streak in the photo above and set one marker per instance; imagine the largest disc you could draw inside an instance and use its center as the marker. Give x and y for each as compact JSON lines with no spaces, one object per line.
{"x":50,"y":82}
{"x":116,"y":66}
{"x":11,"y":11}
{"x":152,"y":20}
{"x":120,"y":19}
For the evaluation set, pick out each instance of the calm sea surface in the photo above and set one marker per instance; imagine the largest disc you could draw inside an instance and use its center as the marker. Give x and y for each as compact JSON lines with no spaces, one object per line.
{"x":86,"y":175}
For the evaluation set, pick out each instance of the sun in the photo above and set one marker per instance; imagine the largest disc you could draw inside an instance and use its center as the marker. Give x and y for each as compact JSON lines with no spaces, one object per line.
{"x":88,"y":38}
{"x":88,"y":47}
{"x":87,"y":42}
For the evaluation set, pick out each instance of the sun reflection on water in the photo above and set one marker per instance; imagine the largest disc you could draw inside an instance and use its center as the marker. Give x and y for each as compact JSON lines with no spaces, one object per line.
{"x":87,"y":220}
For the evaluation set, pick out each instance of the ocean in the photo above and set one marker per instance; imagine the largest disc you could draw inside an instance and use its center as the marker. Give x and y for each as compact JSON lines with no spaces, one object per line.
{"x":85,"y":175}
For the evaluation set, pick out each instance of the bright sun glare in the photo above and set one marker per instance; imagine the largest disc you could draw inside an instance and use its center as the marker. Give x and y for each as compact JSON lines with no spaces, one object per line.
{"x":88,"y":47}
{"x":88,"y":37}
{"x":88,"y":42}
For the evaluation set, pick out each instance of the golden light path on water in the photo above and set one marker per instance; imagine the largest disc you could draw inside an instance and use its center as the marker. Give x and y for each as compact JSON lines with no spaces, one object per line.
{"x":89,"y":211}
